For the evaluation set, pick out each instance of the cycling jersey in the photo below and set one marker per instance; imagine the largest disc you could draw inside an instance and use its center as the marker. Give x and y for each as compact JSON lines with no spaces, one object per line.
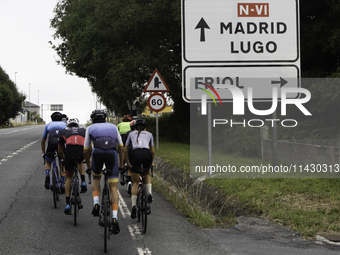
{"x":72,"y":136}
{"x":145,"y":140}
{"x":141,"y":153}
{"x":51,"y":131}
{"x":124,"y":127}
{"x":72,"y":139}
{"x":106,"y":138}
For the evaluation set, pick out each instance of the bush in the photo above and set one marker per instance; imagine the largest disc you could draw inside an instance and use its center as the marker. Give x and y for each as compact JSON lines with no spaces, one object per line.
{"x":169,"y":128}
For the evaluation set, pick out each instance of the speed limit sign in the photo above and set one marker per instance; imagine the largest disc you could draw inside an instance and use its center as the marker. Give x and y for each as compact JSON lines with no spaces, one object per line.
{"x":156,"y":102}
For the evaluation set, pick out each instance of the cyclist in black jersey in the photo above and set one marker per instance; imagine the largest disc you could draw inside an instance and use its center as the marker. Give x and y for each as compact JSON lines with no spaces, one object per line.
{"x":71,"y":147}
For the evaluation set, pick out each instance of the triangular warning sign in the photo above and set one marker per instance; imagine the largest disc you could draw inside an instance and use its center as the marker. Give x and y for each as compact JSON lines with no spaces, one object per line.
{"x":156,"y":83}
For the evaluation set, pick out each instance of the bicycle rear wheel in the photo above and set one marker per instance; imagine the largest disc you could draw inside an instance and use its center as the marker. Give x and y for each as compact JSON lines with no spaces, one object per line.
{"x":144,"y":210}
{"x":75,"y":201}
{"x":105,"y":212}
{"x":54,"y":189}
{"x":139,"y":206}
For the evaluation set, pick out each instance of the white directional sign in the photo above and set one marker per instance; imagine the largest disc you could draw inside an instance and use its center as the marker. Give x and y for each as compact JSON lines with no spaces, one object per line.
{"x":234,"y":31}
{"x":248,"y":39}
{"x":269,"y":77}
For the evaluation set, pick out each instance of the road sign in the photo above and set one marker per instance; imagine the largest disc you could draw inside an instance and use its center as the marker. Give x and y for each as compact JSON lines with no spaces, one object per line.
{"x":254,"y":43}
{"x":240,"y":31}
{"x":156,"y":102}
{"x":268,"y":76}
{"x":156,"y":83}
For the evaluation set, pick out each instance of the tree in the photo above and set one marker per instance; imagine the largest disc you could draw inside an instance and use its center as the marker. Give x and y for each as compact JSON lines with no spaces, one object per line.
{"x":116,"y":45}
{"x":10,"y":99}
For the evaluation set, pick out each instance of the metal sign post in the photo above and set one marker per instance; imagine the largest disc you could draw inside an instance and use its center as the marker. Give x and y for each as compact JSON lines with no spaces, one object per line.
{"x":156,"y":101}
{"x":157,"y":132}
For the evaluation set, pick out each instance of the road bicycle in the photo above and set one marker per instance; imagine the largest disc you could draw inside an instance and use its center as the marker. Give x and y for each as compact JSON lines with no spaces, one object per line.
{"x":143,"y":205}
{"x":75,"y":199}
{"x":54,"y":178}
{"x":105,"y":215}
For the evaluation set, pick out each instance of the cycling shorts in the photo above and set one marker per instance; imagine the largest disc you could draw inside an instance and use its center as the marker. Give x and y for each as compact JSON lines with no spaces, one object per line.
{"x":73,"y":152}
{"x":49,"y":156}
{"x":140,"y":157}
{"x":107,"y":157}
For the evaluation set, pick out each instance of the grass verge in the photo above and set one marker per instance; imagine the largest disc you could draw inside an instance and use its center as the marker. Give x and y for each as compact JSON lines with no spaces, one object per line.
{"x":309,"y":206}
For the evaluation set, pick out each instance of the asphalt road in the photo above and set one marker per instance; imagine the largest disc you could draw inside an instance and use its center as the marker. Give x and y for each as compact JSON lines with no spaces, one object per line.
{"x":29,"y":223}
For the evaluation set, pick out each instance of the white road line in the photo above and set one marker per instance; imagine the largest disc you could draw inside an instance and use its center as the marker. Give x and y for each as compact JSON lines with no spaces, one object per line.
{"x":144,"y":251}
{"x":124,"y":210}
{"x":14,"y":131}
{"x":19,"y":150}
{"x":134,"y":230}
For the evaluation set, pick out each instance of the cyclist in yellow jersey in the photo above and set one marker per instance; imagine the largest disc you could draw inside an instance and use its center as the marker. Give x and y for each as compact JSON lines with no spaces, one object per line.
{"x":123,"y":128}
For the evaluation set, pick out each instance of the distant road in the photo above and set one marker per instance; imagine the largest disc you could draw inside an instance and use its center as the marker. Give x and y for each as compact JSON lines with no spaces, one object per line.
{"x":29,"y":224}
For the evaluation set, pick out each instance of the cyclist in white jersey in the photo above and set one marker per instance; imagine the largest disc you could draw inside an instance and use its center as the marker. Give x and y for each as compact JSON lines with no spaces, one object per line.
{"x":143,"y":153}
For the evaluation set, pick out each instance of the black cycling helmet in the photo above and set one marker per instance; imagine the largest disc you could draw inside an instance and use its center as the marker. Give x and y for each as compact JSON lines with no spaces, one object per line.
{"x":57,"y":116}
{"x":64,"y":117}
{"x":98,"y":116}
{"x":140,"y":122}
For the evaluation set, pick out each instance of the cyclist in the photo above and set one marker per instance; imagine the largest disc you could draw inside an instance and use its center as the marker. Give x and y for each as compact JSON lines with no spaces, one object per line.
{"x":143,"y":153}
{"x":129,"y":180}
{"x":72,"y":142}
{"x":51,"y":132}
{"x":124,"y":128}
{"x":105,"y":138}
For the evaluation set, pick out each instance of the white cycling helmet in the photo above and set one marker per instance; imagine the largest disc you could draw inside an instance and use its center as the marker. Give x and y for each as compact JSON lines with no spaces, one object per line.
{"x":73,"y":122}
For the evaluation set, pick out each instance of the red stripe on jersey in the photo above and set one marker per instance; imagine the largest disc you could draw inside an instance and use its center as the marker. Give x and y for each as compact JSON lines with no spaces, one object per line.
{"x":75,"y":140}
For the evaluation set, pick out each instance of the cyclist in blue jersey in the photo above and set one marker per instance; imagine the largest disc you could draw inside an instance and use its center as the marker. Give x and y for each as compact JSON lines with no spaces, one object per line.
{"x":51,"y":132}
{"x":105,"y":138}
{"x":143,"y":153}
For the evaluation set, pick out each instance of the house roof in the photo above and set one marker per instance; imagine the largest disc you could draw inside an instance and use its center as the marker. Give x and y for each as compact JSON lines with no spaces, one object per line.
{"x":30,"y":105}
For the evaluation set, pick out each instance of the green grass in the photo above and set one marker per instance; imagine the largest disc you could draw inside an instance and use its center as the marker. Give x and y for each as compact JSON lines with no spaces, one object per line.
{"x":309,"y":206}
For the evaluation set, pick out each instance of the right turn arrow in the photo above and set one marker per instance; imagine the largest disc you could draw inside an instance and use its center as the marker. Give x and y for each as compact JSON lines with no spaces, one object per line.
{"x":282,"y":82}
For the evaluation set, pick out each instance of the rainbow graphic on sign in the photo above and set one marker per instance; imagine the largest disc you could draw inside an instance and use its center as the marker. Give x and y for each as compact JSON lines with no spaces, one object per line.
{"x":204,"y":98}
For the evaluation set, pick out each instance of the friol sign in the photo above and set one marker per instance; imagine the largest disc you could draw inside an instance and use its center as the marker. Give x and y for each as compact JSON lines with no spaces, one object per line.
{"x":240,"y":31}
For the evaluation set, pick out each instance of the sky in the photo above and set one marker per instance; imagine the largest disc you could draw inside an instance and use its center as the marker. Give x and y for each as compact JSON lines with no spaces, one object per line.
{"x":29,"y":60}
